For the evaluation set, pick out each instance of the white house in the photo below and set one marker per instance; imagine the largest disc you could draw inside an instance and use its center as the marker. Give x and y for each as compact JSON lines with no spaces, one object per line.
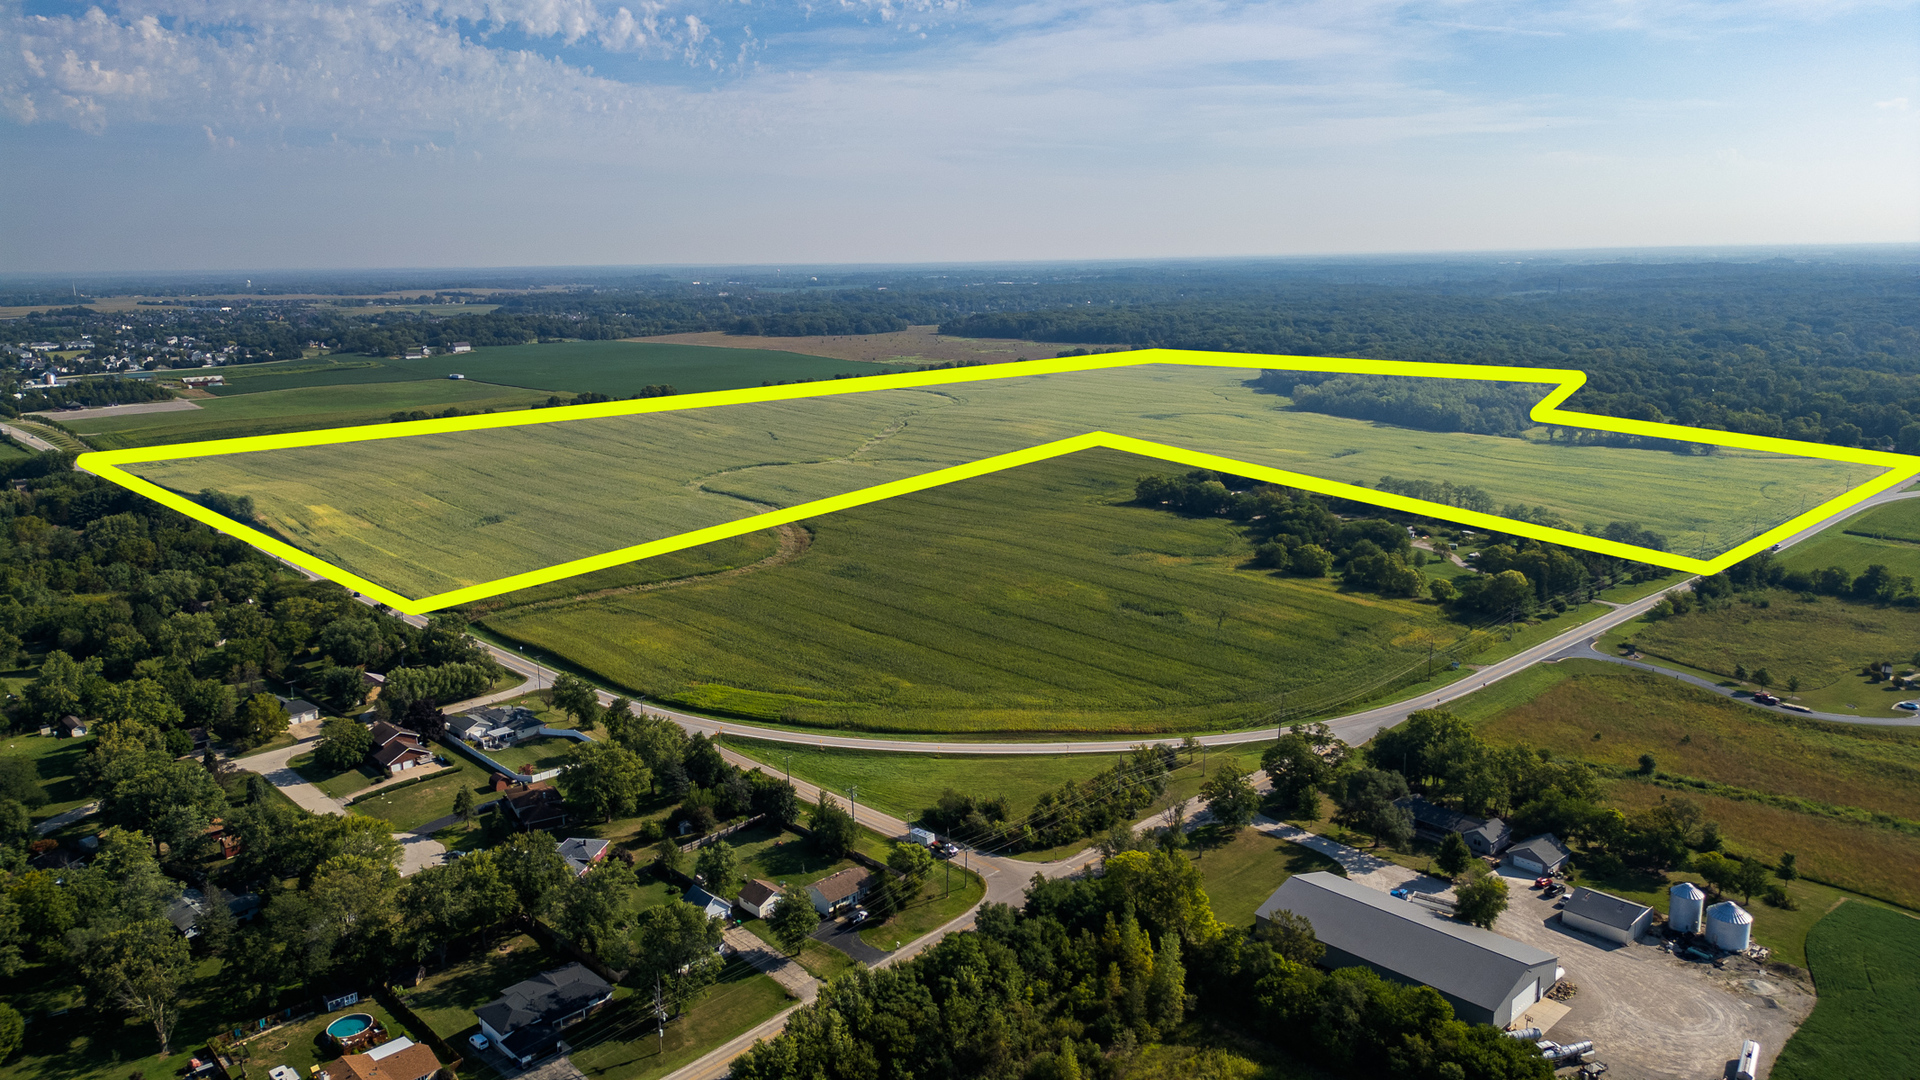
{"x":758,"y":898}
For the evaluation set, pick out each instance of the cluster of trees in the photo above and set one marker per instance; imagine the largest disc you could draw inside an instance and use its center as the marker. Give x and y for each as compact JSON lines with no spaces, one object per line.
{"x":85,"y":393}
{"x":1079,"y":809}
{"x":1874,"y":585}
{"x":1479,"y":408}
{"x":1092,"y":971}
{"x":1440,"y":755}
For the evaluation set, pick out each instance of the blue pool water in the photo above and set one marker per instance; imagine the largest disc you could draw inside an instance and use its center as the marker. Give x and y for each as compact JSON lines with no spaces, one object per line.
{"x":348,"y":1026}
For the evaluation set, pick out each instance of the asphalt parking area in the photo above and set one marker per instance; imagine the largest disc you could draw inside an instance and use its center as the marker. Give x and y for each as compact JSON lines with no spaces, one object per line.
{"x":1650,"y":1014}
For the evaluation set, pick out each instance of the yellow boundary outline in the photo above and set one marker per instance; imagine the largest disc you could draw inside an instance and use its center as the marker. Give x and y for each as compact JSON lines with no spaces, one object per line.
{"x":1900,"y":468}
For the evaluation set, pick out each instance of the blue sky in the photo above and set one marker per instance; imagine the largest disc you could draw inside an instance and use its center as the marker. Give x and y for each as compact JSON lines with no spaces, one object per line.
{"x":204,"y":134}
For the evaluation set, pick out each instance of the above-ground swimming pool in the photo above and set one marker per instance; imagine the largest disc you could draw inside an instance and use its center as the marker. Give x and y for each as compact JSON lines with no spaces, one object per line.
{"x":351,"y":1030}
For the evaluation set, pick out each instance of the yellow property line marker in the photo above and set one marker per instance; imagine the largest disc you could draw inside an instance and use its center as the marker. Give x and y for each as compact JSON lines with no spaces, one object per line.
{"x":1899,"y":467}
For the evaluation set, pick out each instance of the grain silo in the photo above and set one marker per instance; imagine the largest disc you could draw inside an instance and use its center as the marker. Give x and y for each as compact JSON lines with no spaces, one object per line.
{"x":1729,"y":927}
{"x":1686,"y":905}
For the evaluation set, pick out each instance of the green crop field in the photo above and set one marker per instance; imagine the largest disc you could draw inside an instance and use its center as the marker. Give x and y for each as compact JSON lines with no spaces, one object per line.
{"x":1844,"y":799}
{"x":441,"y":512}
{"x":1866,"y":969}
{"x":615,"y":368}
{"x":301,"y":410}
{"x":1888,"y":535}
{"x":1822,"y":641}
{"x":1028,"y":601}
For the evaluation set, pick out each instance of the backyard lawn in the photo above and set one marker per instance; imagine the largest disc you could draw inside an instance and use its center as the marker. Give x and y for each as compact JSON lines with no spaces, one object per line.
{"x":415,"y":805}
{"x":303,"y":1045}
{"x":541,"y":752}
{"x":1240,"y":874}
{"x":57,"y":760}
{"x":621,"y":1043}
{"x":445,"y":1000}
{"x":82,"y":1046}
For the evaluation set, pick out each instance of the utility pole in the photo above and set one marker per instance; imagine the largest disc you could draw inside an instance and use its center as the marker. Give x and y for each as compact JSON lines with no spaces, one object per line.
{"x":1429,"y":659}
{"x":853,"y":801}
{"x":660,"y":1013}
{"x":789,"y":768}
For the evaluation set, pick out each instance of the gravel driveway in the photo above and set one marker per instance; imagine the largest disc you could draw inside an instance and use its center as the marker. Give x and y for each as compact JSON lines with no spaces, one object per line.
{"x":1650,"y":1014}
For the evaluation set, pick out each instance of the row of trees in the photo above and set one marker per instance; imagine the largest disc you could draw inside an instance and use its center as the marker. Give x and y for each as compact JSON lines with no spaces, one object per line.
{"x":1094,"y":970}
{"x":1077,"y":810}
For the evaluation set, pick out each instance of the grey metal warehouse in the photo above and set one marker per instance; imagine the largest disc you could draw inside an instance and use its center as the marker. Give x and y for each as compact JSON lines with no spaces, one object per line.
{"x":1489,"y":979}
{"x":1606,"y":915}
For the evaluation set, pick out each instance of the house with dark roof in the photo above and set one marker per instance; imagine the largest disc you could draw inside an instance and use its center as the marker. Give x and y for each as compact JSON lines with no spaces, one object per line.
{"x":758,"y":898}
{"x":1544,"y":854}
{"x":395,"y":749}
{"x":533,"y":806}
{"x":299,"y":711}
{"x":73,"y":726}
{"x":1605,"y":916}
{"x":526,"y":1020}
{"x":1431,"y":821}
{"x":581,"y":853}
{"x":836,"y":891}
{"x":1488,"y":978}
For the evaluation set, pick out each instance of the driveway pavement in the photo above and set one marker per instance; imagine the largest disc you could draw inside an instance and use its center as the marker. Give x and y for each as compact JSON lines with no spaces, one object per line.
{"x":748,"y":946}
{"x":1651,"y":1015}
{"x":846,"y":937}
{"x":273,"y":765}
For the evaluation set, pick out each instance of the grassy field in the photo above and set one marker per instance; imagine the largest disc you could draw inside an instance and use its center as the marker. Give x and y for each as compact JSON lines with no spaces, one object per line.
{"x":1026,"y":601}
{"x":1240,"y":874}
{"x":542,"y":753}
{"x":1822,"y":641}
{"x":614,"y":368}
{"x":1866,"y":968}
{"x":470,"y":507}
{"x":1840,"y":774}
{"x":948,"y":894}
{"x":822,"y":961}
{"x":1888,"y":535}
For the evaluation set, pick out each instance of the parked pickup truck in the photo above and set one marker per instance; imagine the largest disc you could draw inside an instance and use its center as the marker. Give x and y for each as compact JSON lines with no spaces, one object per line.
{"x":1764,"y":698}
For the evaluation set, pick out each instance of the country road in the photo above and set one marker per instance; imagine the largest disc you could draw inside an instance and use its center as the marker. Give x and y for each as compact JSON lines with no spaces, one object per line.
{"x":30,"y":441}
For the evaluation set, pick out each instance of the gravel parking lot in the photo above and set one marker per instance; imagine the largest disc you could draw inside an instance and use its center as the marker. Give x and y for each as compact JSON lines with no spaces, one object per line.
{"x":1653,"y":1015}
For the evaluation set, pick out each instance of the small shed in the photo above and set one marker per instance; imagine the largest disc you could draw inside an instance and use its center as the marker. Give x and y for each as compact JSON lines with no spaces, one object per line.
{"x":1544,"y":854}
{"x":73,"y":726}
{"x":300,"y":712}
{"x":1605,"y":916}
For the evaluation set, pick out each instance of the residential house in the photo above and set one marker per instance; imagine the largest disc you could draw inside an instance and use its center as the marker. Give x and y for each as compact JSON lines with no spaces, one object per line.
{"x":395,"y":749}
{"x":186,"y":912}
{"x":400,"y":1059}
{"x":526,"y":1020}
{"x":1605,"y":916}
{"x":836,"y":891}
{"x":73,"y":726}
{"x":1431,"y":821}
{"x":1489,"y":979}
{"x":758,"y":898}
{"x":581,"y":853}
{"x":533,"y":806}
{"x":300,"y":712}
{"x":499,"y":726}
{"x":462,"y":347}
{"x":1544,"y":854}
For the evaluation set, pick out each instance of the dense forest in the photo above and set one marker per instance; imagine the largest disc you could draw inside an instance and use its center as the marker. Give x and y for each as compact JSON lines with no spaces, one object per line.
{"x":1823,"y":349}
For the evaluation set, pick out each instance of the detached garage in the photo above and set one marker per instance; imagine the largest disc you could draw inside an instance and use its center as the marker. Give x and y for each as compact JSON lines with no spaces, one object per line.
{"x":1544,"y":854}
{"x":1606,"y":916}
